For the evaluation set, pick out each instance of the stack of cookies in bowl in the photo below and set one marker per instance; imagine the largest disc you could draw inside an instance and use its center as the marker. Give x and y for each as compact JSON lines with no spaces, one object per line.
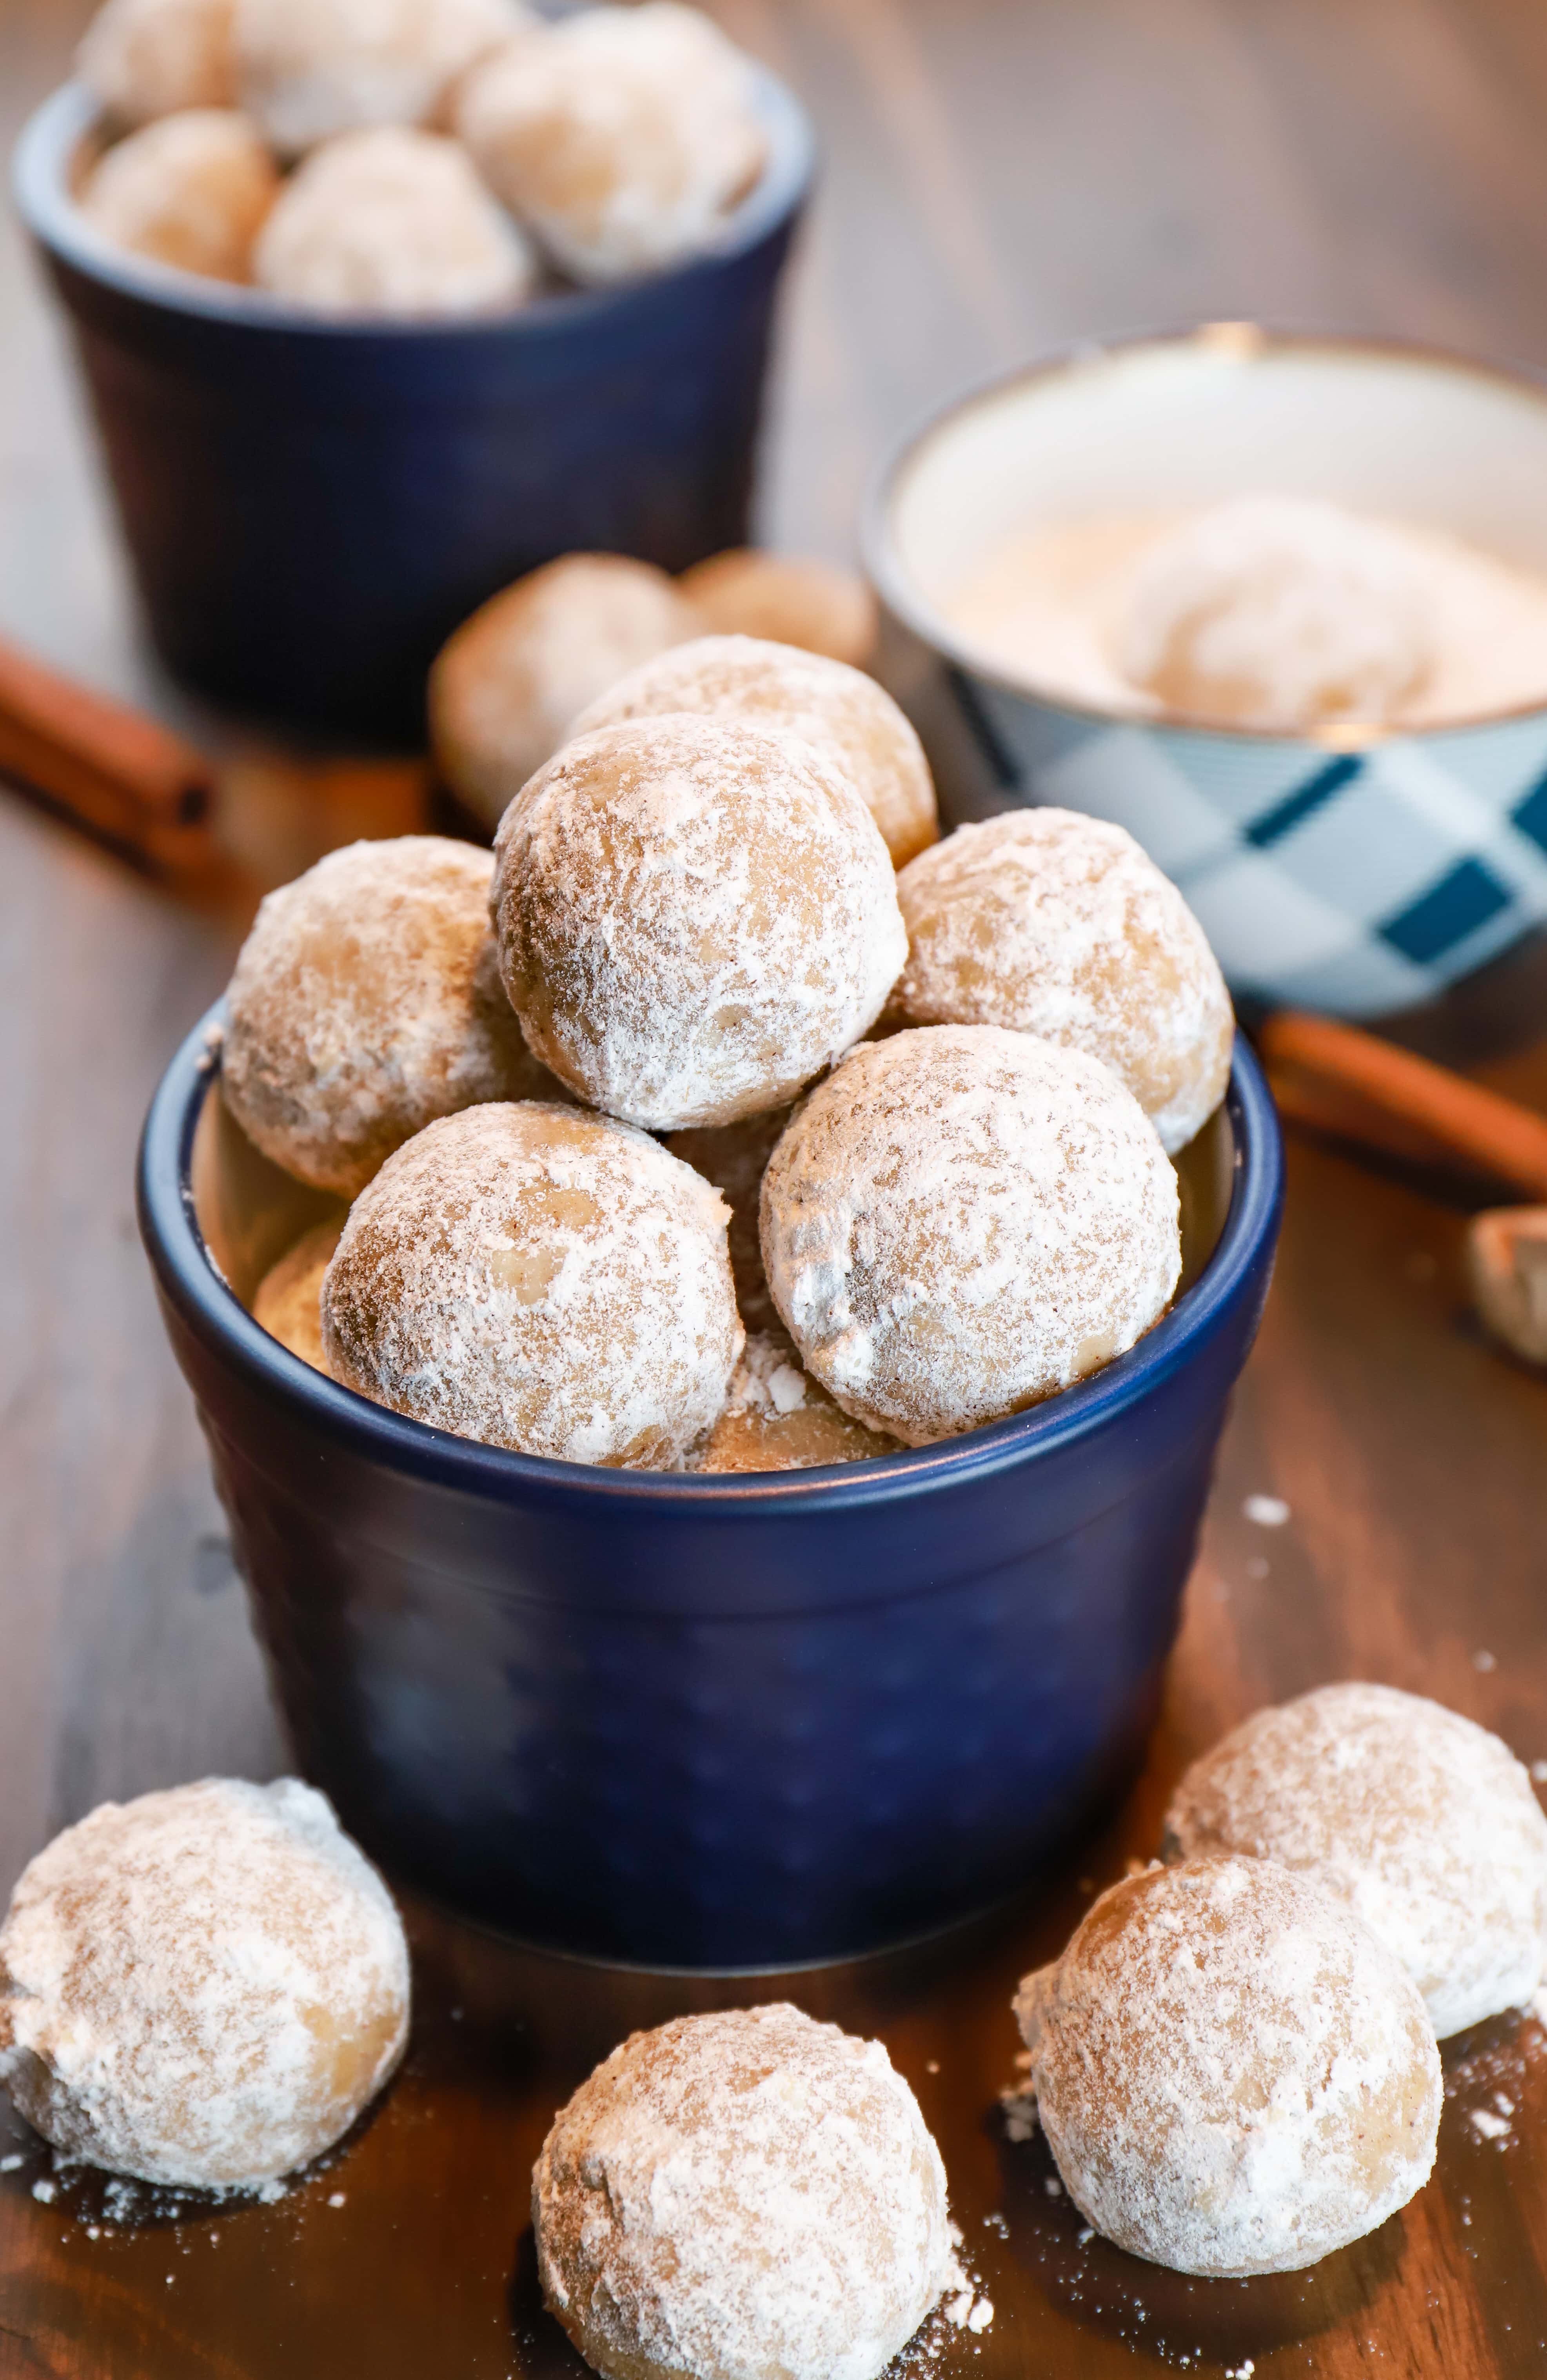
{"x":723,"y":1118}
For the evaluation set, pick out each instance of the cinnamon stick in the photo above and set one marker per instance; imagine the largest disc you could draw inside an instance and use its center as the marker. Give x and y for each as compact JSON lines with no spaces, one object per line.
{"x":1493,"y":1134}
{"x":119,"y":774}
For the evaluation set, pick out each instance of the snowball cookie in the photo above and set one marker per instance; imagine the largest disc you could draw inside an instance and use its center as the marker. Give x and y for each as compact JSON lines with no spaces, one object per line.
{"x":733,"y":1155}
{"x":288,"y":1301}
{"x":366,"y":1000}
{"x":1506,"y":1263}
{"x":776,"y":1418}
{"x":145,"y":58}
{"x":1059,"y":925}
{"x":1234,"y":2075}
{"x":203,"y":1987}
{"x":746,"y":2196}
{"x":192,"y":190}
{"x":1418,"y":1819}
{"x":504,"y":688}
{"x":392,"y":222}
{"x":774,"y":686}
{"x":1279,"y":611}
{"x":540,"y":1279}
{"x":307,"y":69}
{"x":960,"y":1221}
{"x":694,"y":916}
{"x":788,"y":599}
{"x":621,"y":137}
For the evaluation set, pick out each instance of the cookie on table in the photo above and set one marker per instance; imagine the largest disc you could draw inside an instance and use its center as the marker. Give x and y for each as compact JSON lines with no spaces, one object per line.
{"x":541,"y":1280}
{"x":744,"y":2196}
{"x":1060,"y":924}
{"x":821,"y":700}
{"x":1417,"y":1820}
{"x":203,"y":1987}
{"x":961,"y":1220}
{"x":785,"y":598}
{"x":1234,"y":2075}
{"x":366,"y":1000}
{"x":504,"y":687}
{"x":695,"y":915}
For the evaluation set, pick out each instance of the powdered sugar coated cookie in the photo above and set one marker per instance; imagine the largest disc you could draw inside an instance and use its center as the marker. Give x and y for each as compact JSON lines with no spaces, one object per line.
{"x":541,"y":1280}
{"x":203,"y":1987}
{"x":824,"y":701}
{"x":1234,"y":2075}
{"x":744,"y":2196}
{"x":1060,"y":926}
{"x":960,"y":1221}
{"x":1417,"y":1820}
{"x":695,"y":915}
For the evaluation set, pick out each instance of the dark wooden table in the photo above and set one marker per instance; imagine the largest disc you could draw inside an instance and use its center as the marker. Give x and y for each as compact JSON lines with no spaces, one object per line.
{"x":1002,"y":176}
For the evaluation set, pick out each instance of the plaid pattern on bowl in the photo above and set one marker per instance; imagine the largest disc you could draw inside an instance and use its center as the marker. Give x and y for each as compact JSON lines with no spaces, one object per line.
{"x":1354,"y":882}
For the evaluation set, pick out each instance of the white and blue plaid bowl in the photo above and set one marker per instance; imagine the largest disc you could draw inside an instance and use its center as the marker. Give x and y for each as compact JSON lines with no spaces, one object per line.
{"x":1362,"y":872}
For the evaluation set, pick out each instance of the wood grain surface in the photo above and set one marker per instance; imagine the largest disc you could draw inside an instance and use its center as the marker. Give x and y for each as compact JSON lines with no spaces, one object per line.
{"x":1002,"y":176}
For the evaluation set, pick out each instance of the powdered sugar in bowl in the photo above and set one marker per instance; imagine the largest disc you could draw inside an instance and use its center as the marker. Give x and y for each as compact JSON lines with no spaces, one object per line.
{"x":1361,"y":830}
{"x":706,"y":1720}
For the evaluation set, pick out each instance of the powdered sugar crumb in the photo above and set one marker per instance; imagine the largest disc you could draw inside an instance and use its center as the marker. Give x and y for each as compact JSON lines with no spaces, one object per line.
{"x":1266,"y":1512}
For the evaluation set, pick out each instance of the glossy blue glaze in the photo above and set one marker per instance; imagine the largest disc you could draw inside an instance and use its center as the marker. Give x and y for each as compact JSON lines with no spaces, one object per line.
{"x":312,"y":505}
{"x":735,"y":1721}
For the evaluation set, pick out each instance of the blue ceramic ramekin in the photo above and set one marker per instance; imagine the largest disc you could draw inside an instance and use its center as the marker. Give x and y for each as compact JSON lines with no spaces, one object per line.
{"x":1362,"y":871}
{"x":311,"y":505}
{"x":706,"y":1723}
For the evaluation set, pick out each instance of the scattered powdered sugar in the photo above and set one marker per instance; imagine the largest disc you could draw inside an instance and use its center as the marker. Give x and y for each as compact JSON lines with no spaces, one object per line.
{"x":1418,"y":1819}
{"x":745,"y":2193}
{"x":694,"y":916}
{"x":824,"y":701}
{"x":1059,"y":925}
{"x":1234,"y":2075}
{"x":366,"y":1000}
{"x":539,"y":1278}
{"x":961,"y":1220}
{"x":202,"y":1987}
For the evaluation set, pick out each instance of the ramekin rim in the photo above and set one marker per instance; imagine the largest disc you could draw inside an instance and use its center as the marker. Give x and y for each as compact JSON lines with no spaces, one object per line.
{"x":892,"y":583}
{"x":188,"y":1277}
{"x":42,"y":199}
